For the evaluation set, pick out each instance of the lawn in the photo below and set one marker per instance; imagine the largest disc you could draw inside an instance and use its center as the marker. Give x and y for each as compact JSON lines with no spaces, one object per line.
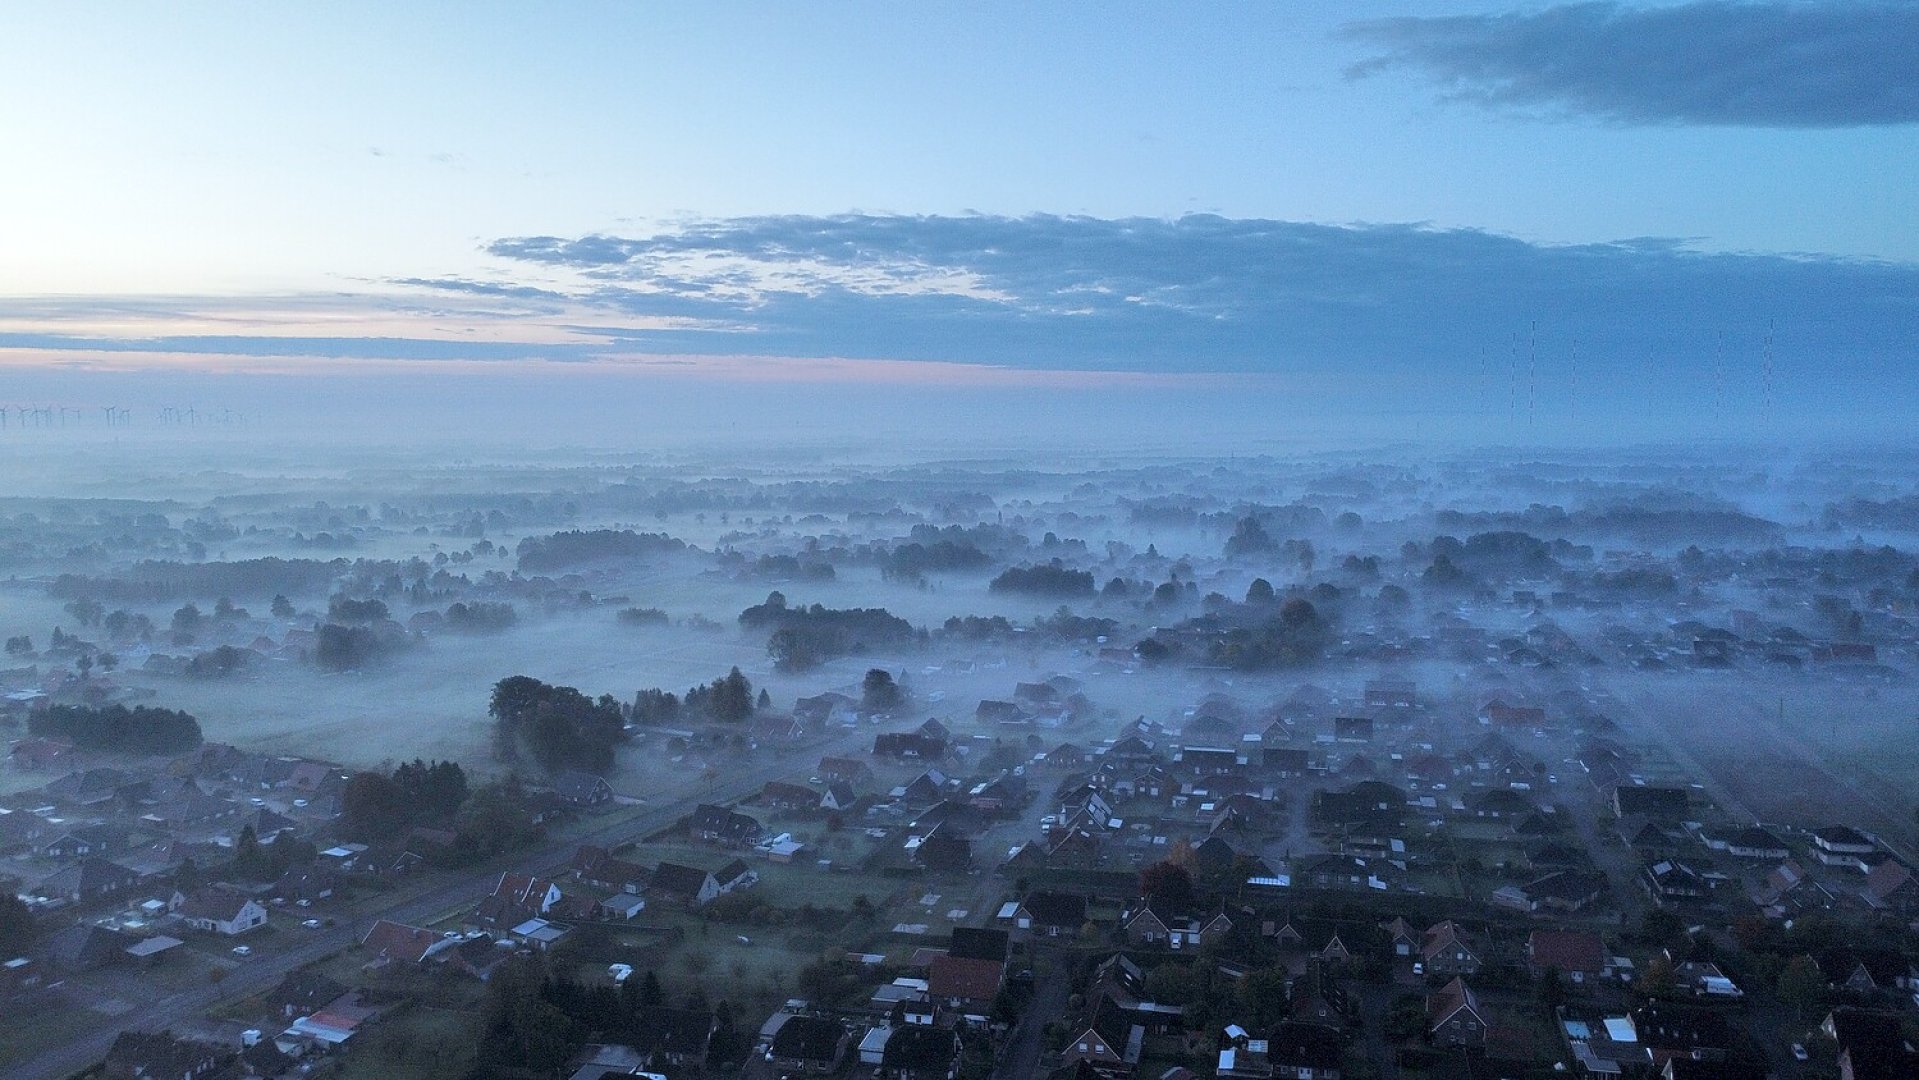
{"x":413,"y":1042}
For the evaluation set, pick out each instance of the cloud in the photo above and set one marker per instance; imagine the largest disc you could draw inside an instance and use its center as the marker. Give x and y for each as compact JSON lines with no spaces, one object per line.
{"x":1709,"y":62}
{"x":1199,"y":293}
{"x":1336,"y":317}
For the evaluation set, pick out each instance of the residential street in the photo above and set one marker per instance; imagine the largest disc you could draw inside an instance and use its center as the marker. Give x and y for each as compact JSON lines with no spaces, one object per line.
{"x":410,"y":906}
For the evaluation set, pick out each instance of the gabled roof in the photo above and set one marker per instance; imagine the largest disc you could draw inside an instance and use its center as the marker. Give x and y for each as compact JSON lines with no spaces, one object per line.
{"x":1449,"y":1000}
{"x":221,"y":903}
{"x":809,"y":1038}
{"x":1570,"y":951}
{"x":1301,"y":1045}
{"x":397,"y":941}
{"x":919,"y":1046}
{"x":962,"y":977}
{"x":673,"y":1031}
{"x":676,"y":878}
{"x":974,"y":943}
{"x":1064,"y":910}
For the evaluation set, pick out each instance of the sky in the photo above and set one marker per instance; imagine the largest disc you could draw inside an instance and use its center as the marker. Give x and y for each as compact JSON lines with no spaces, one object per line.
{"x":1523,"y":221}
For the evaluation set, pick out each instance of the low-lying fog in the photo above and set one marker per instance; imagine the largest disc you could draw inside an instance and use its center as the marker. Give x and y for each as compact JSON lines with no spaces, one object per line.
{"x":1754,"y":614}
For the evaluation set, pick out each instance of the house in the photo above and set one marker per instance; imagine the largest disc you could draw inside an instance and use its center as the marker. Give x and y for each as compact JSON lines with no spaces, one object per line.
{"x":304,"y":885}
{"x":1107,"y":1044}
{"x":1284,"y":761}
{"x":581,"y":789}
{"x":920,"y":1052}
{"x":1453,"y":1016}
{"x":964,"y":983}
{"x":1051,"y":914}
{"x":1863,"y":969}
{"x":1751,"y":842}
{"x":838,"y":796}
{"x":1391,"y":694}
{"x":161,"y":1055}
{"x":477,"y":956}
{"x":302,"y":992}
{"x":975,"y":943}
{"x":86,"y":840}
{"x":684,"y":884}
{"x":221,"y":909}
{"x":1353,"y":729}
{"x":1315,"y":998}
{"x":1446,"y":949}
{"x":720,"y":825}
{"x":517,"y":898}
{"x":944,"y":850}
{"x":1241,"y":1057}
{"x":84,"y":947}
{"x":1892,"y":886}
{"x":1871,"y":1045}
{"x":1838,"y":845}
{"x":673,"y":1037}
{"x":1560,"y":891}
{"x":735,"y":875}
{"x":1400,"y":935}
{"x":391,"y":941}
{"x":1671,"y":882}
{"x":596,"y":866}
{"x":845,"y":770}
{"x":1303,"y":1051}
{"x":1577,"y":955}
{"x":1500,"y":714}
{"x":909,"y":745}
{"x":784,"y":796}
{"x":89,"y":879}
{"x":1659,"y":803}
{"x":1146,"y":924}
{"x":810,"y":1044}
{"x":1670,"y":1030}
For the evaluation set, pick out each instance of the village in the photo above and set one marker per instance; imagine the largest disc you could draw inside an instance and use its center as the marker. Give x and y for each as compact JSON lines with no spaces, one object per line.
{"x":1367,"y":881}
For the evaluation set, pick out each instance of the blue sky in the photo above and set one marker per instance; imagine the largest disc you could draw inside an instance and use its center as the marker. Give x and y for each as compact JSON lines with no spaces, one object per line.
{"x":1307,"y":190}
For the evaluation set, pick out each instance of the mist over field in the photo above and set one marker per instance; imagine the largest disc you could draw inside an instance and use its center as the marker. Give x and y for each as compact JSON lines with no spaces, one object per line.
{"x":1353,"y":540}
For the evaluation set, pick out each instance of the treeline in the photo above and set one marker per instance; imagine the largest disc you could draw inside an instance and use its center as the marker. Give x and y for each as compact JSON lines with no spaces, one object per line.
{"x":479,"y":617}
{"x":485,"y":820}
{"x":532,"y":1020}
{"x":558,"y":726}
{"x":910,"y":561}
{"x":577,"y":547}
{"x":639,"y":616}
{"x":805,"y":637}
{"x":349,"y":648}
{"x":161,"y":581}
{"x":727,"y":699}
{"x":1044,"y":579}
{"x":142,"y":729}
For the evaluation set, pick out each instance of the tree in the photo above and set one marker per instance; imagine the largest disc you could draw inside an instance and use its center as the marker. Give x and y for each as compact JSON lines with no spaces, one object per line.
{"x":1259,"y":592}
{"x":142,"y":729}
{"x":16,"y":925}
{"x":1166,"y":882}
{"x":1262,"y":996}
{"x":20,"y":645}
{"x":433,"y":792}
{"x":878,"y":692}
{"x":373,"y":806}
{"x":1249,"y":538}
{"x":561,"y":727}
{"x":732,"y":699}
{"x":186,"y":619}
{"x":282,"y":607}
{"x":1802,"y":985}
